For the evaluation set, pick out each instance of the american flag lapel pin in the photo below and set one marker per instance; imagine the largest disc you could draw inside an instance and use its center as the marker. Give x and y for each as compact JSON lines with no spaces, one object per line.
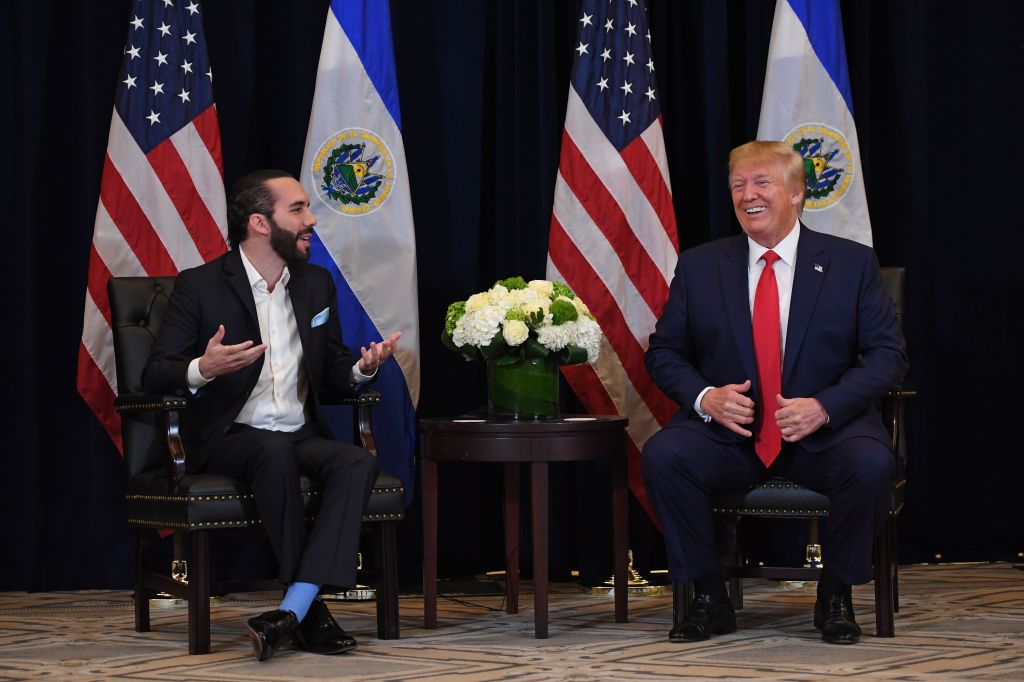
{"x":818,"y":268}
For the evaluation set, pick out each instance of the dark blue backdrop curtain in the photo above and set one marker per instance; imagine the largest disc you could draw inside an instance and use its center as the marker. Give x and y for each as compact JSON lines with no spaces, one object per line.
{"x":936,"y":89}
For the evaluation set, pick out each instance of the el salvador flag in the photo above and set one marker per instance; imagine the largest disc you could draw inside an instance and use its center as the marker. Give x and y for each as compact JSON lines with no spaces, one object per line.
{"x":355,"y":174}
{"x":807,"y":103}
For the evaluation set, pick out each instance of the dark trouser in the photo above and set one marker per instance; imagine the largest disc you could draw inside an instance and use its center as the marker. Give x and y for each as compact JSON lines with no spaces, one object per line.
{"x":271,"y":463}
{"x":683,"y":469}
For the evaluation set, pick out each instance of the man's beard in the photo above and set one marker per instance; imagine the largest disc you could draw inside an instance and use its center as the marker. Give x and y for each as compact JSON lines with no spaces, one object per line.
{"x":285,"y":244}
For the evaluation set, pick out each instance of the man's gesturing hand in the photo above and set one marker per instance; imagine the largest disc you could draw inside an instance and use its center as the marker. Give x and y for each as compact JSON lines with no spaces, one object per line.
{"x":729,"y":407}
{"x":220,"y":359}
{"x":799,"y":417}
{"x":377,"y":354}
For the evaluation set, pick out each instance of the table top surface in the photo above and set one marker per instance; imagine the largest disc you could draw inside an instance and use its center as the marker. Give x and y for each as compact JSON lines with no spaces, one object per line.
{"x":484,"y":425}
{"x":565,"y":438}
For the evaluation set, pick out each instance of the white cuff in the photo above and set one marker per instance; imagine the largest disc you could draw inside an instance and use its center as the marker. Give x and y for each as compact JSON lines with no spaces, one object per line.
{"x":194,"y":377}
{"x":696,"y":405}
{"x":358,"y":377}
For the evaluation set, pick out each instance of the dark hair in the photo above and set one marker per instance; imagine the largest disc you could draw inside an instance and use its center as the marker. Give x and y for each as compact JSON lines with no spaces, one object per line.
{"x":250,"y":195}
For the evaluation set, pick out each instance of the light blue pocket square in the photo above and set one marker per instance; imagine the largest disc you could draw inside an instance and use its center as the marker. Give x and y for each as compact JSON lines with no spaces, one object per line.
{"x":320,"y":317}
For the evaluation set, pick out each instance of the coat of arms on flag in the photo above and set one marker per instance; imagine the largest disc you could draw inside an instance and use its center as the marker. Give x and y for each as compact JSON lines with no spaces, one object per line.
{"x":354,"y":172}
{"x":828,"y":163}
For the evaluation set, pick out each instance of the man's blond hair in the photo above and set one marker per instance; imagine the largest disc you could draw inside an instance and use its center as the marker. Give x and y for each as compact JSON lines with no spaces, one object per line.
{"x":763,"y":151}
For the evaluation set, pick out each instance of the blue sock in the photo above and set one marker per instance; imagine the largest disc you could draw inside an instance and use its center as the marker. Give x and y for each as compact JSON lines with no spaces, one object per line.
{"x":298,"y":598}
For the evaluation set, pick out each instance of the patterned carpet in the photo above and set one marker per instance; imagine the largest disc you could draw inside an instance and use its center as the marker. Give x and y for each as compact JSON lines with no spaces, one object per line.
{"x":956,"y":622}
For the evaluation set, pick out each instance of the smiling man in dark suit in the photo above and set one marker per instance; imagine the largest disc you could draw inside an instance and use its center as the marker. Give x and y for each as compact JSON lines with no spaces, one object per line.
{"x":255,"y":336}
{"x":776,"y":344}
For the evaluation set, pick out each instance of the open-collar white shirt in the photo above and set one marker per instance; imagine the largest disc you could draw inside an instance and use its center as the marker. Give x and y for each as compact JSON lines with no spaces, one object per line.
{"x":277,"y":403}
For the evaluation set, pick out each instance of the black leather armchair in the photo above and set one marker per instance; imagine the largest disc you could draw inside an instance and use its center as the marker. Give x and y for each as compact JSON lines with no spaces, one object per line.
{"x":160,"y":494}
{"x":779,"y":498}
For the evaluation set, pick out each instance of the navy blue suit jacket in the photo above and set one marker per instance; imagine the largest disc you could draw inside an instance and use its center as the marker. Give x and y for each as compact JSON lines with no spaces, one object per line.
{"x":843,"y":343}
{"x":219,"y":293}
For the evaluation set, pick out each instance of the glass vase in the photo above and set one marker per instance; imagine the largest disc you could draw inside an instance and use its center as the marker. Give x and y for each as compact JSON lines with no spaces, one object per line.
{"x":527,"y":389}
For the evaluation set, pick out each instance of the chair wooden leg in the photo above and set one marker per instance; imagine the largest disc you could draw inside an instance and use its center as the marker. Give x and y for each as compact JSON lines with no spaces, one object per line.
{"x":199,"y":594}
{"x":736,"y":593}
{"x":893,"y":546}
{"x":387,"y":594}
{"x":884,"y":618}
{"x":736,"y":556}
{"x":681,"y":595}
{"x":736,"y":582}
{"x":141,"y":593}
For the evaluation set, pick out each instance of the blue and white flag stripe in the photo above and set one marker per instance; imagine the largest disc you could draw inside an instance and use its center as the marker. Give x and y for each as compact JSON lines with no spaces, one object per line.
{"x":368,"y":245}
{"x":807,"y":97}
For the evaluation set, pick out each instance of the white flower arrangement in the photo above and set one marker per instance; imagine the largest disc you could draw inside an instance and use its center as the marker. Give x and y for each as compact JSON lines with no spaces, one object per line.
{"x":518,"y":320}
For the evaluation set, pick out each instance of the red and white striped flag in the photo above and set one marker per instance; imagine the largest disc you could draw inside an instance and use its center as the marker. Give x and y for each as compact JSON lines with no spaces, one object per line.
{"x":613,"y":230}
{"x":162,"y":204}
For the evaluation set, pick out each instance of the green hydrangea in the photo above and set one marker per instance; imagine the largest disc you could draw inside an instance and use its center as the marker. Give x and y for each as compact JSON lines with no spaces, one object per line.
{"x":455,"y":312}
{"x":562,"y":312}
{"x":516,"y":314}
{"x":562,"y":290}
{"x":512,"y":283}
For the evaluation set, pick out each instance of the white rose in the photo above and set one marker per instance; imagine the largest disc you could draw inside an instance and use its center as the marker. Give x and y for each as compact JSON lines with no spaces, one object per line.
{"x":514,"y":331}
{"x":477,"y":302}
{"x":542,"y":286}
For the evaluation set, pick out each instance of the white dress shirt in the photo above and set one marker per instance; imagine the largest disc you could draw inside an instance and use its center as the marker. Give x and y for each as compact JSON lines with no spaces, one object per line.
{"x":784,"y":269}
{"x":277,"y":402}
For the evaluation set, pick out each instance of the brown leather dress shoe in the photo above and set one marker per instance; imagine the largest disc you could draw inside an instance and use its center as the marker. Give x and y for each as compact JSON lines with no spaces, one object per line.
{"x":318,"y":632}
{"x":268,"y":630}
{"x":707,"y":616}
{"x":833,"y":615}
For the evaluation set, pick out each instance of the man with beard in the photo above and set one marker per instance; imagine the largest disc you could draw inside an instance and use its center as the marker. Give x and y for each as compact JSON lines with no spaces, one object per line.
{"x":254,"y":336}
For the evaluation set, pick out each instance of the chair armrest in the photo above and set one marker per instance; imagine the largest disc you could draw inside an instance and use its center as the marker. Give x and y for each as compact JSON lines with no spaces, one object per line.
{"x":892,"y":416}
{"x":170,"y":406}
{"x":141,"y":402}
{"x":354,"y":398}
{"x":902,"y":391}
{"x":361,"y":402}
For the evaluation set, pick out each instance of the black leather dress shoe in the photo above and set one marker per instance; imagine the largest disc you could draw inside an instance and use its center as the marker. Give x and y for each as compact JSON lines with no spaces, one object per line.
{"x":707,"y":616}
{"x":318,"y":632}
{"x":268,"y":630}
{"x":833,"y":615}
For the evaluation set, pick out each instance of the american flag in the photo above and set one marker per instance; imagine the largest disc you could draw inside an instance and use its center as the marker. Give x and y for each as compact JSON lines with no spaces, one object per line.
{"x":161,"y":206}
{"x":613,"y":229}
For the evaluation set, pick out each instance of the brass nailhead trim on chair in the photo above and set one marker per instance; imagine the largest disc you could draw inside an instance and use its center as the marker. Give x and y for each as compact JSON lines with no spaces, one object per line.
{"x":242,"y":522}
{"x":189,"y":498}
{"x":776,"y":512}
{"x":248,"y":496}
{"x":154,"y":524}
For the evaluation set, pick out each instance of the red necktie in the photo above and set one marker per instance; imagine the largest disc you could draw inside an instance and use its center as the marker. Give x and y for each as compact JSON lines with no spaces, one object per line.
{"x":768,"y":350}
